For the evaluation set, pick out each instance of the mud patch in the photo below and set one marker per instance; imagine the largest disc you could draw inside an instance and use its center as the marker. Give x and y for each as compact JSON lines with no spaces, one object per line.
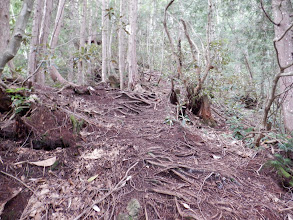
{"x":46,"y":129}
{"x":13,"y":199}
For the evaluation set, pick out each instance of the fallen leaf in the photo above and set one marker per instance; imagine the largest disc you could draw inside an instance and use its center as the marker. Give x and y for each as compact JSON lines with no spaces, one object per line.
{"x":216,"y":157}
{"x":92,"y":178}
{"x":185,"y":205}
{"x":96,"y":154}
{"x":96,"y":208}
{"x":91,"y":88}
{"x":44,"y":163}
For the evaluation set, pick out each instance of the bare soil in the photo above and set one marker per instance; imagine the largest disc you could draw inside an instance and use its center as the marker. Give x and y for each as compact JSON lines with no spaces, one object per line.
{"x":135,"y":149}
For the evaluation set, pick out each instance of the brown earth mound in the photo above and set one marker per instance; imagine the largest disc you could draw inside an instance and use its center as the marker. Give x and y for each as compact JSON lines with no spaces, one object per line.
{"x":124,"y":155}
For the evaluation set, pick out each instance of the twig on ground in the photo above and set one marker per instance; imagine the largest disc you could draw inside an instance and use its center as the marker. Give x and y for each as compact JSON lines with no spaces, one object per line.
{"x":154,"y":207}
{"x":259,"y":169}
{"x":286,"y":209}
{"x":146,"y":213}
{"x":192,"y":215}
{"x":205,"y":179}
{"x":26,"y":139}
{"x":7,"y":174}
{"x":182,"y":177}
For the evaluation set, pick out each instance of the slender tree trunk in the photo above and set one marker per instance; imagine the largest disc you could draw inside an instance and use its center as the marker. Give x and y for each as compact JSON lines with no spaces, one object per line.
{"x":105,"y":24}
{"x":90,"y":36}
{"x":282,"y":11}
{"x":44,"y":35}
{"x":74,"y":9}
{"x":162,"y":58}
{"x":110,"y":39}
{"x":80,"y":76}
{"x":4,"y":24}
{"x":58,"y":24}
{"x":148,"y":46}
{"x":122,"y":41}
{"x":5,"y":31}
{"x":133,"y":72}
{"x":55,"y":75}
{"x":17,"y":35}
{"x":283,"y":44}
{"x":34,"y":45}
{"x":179,"y":71}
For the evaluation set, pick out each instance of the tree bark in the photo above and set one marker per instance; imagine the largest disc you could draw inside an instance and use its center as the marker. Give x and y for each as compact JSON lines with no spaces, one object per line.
{"x":44,"y":35}
{"x":17,"y":35}
{"x":5,"y":31}
{"x":179,"y":71}
{"x":283,"y":44}
{"x":133,"y":72}
{"x":80,"y":76}
{"x":282,"y":11}
{"x":34,"y":45}
{"x":105,"y":24}
{"x":122,"y":41}
{"x":4,"y":24}
{"x":55,"y":75}
{"x":58,"y":25}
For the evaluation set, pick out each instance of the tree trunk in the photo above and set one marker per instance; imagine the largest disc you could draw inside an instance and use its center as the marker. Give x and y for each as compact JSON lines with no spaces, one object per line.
{"x":179,"y":71}
{"x":44,"y":35}
{"x":34,"y":50}
{"x":17,"y":35}
{"x":282,"y":11}
{"x":58,"y":24}
{"x":55,"y":75}
{"x":5,"y":31}
{"x":80,"y":76}
{"x":105,"y":24}
{"x":91,"y":38}
{"x":133,"y":72}
{"x":4,"y":24}
{"x":122,"y":41}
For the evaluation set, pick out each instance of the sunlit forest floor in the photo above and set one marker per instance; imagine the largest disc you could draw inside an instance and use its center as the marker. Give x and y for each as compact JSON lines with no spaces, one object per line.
{"x":125,"y":155}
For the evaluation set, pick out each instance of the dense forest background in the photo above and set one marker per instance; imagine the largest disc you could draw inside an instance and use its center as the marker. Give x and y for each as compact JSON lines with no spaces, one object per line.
{"x":66,"y":38}
{"x":226,"y":63}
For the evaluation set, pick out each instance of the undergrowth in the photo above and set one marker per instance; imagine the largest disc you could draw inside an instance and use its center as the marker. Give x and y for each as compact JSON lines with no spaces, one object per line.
{"x":19,"y":100}
{"x":282,"y":162}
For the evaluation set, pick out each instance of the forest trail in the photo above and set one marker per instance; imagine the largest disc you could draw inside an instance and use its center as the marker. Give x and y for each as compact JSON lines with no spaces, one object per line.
{"x":130,"y":160}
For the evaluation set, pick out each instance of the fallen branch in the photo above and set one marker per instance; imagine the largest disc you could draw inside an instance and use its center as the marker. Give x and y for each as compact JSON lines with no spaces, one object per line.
{"x":156,"y":211}
{"x":183,"y":214}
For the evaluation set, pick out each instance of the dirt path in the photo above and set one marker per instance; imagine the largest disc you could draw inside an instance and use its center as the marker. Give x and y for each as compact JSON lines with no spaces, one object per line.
{"x":141,"y":166}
